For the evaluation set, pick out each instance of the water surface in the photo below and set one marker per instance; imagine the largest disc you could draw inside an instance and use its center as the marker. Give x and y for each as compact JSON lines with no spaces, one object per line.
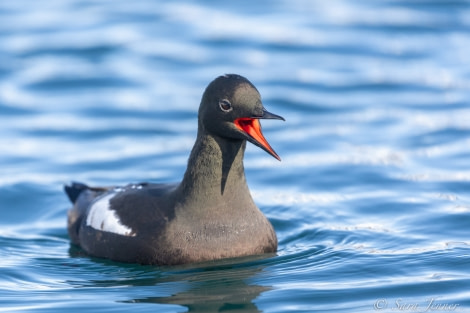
{"x":371,"y":202}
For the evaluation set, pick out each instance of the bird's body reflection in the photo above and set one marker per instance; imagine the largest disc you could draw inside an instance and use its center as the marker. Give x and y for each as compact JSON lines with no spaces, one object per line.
{"x":215,"y":287}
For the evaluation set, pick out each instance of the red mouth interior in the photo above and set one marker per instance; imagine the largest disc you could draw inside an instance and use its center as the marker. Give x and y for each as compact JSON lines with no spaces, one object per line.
{"x":252,"y":127}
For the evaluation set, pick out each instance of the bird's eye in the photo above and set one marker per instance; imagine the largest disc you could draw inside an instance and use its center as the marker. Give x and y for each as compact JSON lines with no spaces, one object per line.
{"x":225,"y":105}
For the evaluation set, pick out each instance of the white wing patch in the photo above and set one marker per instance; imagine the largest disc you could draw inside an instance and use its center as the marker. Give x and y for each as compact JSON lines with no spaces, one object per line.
{"x":101,"y":217}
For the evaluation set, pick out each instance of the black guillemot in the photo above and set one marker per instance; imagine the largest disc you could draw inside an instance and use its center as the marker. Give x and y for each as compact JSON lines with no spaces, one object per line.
{"x":209,"y":215}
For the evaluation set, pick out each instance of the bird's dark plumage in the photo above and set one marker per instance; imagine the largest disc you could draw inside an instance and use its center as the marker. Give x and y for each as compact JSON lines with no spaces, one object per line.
{"x":74,"y":190}
{"x":209,"y":215}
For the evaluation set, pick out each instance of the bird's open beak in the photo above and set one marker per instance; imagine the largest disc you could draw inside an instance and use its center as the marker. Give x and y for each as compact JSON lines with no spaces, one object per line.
{"x":252,"y":128}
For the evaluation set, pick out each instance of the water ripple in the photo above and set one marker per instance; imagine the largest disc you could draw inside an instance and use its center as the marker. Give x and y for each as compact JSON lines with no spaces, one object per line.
{"x":370,"y":203}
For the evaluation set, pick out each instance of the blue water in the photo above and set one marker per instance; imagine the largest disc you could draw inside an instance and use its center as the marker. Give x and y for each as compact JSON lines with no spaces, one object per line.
{"x":371,"y":202}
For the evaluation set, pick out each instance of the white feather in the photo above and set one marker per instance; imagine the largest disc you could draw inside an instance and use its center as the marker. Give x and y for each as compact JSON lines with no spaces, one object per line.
{"x":101,"y":217}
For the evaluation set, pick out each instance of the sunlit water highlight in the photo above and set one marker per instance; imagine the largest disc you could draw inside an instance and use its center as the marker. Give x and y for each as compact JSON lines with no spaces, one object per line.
{"x":371,"y":202}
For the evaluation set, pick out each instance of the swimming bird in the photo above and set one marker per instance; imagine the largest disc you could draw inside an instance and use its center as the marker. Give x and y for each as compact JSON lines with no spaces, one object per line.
{"x":209,"y":215}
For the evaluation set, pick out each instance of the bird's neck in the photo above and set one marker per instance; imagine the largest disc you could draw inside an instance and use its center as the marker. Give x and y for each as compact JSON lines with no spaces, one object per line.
{"x":215,"y":175}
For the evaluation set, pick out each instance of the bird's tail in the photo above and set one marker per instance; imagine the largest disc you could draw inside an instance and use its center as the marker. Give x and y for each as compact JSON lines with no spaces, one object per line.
{"x":74,"y":190}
